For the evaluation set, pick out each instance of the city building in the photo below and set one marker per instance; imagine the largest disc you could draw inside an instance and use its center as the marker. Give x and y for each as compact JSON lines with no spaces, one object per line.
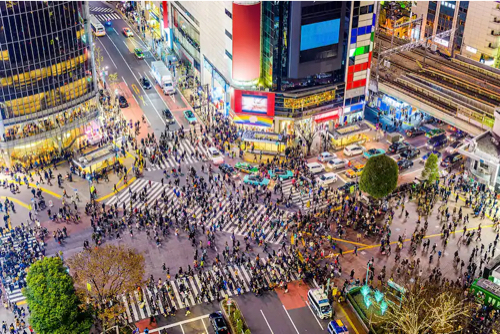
{"x":48,"y":94}
{"x":272,"y":65}
{"x":476,"y":23}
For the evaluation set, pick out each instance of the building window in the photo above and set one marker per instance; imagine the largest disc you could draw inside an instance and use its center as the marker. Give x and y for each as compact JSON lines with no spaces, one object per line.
{"x":228,"y":13}
{"x":228,"y":34}
{"x":230,"y":56}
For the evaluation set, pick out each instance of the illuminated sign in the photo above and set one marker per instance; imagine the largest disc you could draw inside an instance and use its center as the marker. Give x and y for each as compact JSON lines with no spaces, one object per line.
{"x":327,"y":116}
{"x":310,"y":101}
{"x":471,"y":49}
{"x":441,"y":41}
{"x":254,"y":104}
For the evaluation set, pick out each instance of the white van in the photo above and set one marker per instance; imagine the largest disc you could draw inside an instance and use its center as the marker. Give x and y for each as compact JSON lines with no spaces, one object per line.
{"x":319,"y":303}
{"x":315,"y":167}
{"x":216,"y":157}
{"x":353,"y":149}
{"x":327,"y":178}
{"x":337,"y":163}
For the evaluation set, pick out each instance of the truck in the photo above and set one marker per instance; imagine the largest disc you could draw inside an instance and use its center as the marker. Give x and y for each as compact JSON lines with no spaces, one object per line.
{"x":163,"y":77}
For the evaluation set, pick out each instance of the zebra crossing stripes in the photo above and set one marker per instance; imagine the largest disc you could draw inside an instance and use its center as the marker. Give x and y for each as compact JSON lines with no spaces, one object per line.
{"x":189,"y":158}
{"x":101,"y":9}
{"x":108,"y":17}
{"x":300,"y":198}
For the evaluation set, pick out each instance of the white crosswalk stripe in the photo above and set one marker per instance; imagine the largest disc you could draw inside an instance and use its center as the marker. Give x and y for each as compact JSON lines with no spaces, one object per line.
{"x":183,"y":291}
{"x":300,"y":196}
{"x":108,"y":17}
{"x":101,"y":9}
{"x":171,"y":162}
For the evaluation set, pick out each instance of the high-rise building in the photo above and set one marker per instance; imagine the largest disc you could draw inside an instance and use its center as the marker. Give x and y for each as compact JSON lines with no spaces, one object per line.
{"x":476,"y":24}
{"x":272,"y":64}
{"x":47,"y":77}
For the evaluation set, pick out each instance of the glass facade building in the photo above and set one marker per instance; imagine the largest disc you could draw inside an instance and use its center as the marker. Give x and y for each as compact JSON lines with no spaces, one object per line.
{"x":48,"y":95}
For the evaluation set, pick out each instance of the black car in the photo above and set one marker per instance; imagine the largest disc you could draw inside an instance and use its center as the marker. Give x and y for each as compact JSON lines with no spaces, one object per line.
{"x":227,"y":169}
{"x":168,"y":116}
{"x":398,"y":147}
{"x":457,"y":135}
{"x":347,"y":186}
{"x":122,"y":101}
{"x":410,"y":153}
{"x":414,"y":132}
{"x":146,"y":84}
{"x":405,"y":164}
{"x":452,"y":159}
{"x":219,"y":323}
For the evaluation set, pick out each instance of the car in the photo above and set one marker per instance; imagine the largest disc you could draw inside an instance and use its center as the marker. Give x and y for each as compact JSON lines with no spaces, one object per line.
{"x":138,"y":53}
{"x":425,"y":156}
{"x":348,"y":186}
{"x":337,"y":327}
{"x":452,"y":160}
{"x":353,"y":149}
{"x":145,"y":83}
{"x":414,"y":132}
{"x":122,"y":101}
{"x":405,"y":164}
{"x":398,"y":147}
{"x":256,"y":180}
{"x":327,"y":178}
{"x":315,"y":167}
{"x":245,"y":167}
{"x":437,"y":142}
{"x":454,"y":146}
{"x":282,"y":174}
{"x":191,"y":118}
{"x":434,"y":133}
{"x":168,"y":116}
{"x":326,"y":156}
{"x":410,"y":153}
{"x":337,"y":163}
{"x":218,"y":323}
{"x":457,"y":135}
{"x":214,"y":155}
{"x":227,"y":169}
{"x":373,"y":152}
{"x":355,"y":170}
{"x":127,"y":32}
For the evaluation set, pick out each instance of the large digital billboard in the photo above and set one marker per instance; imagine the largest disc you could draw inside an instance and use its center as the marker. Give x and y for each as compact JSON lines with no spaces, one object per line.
{"x":246,"y":41}
{"x":252,"y":102}
{"x":319,"y":34}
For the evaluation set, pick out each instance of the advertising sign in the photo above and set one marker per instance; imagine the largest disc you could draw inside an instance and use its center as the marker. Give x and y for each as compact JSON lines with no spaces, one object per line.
{"x":252,"y":102}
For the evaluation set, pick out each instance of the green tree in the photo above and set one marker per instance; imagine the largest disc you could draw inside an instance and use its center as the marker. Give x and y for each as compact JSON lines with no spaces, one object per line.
{"x":379,"y":177}
{"x":431,"y":169}
{"x":248,"y":331}
{"x":51,"y":297}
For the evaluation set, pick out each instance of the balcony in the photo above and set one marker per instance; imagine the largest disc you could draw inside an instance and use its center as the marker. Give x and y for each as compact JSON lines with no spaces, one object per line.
{"x":495,"y":33}
{"x":496,"y":20}
{"x":493,"y":46}
{"x":86,"y":118}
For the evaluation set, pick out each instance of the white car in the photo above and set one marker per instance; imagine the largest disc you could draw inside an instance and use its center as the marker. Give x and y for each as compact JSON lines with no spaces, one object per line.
{"x":337,"y":163}
{"x":215,"y":156}
{"x":326,"y":156}
{"x":354,"y":149}
{"x":315,"y":167}
{"x":327,"y":178}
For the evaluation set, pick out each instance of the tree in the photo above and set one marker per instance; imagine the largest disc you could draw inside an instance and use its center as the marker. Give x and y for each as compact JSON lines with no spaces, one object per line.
{"x":427,"y":309}
{"x":431,"y":169}
{"x":98,"y":58}
{"x":51,"y":297}
{"x":379,"y":177}
{"x":307,"y":132}
{"x":103,"y":274}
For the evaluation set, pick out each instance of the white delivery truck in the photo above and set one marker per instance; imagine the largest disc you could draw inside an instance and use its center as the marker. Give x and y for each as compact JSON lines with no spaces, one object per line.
{"x":163,"y":77}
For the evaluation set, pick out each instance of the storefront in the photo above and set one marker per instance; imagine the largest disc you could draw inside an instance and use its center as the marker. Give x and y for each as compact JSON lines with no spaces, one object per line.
{"x":219,"y":87}
{"x":186,"y":42}
{"x":392,"y":107}
{"x":96,"y":160}
{"x":153,"y":15}
{"x":265,"y":142}
{"x":352,"y":113}
{"x":342,"y":136}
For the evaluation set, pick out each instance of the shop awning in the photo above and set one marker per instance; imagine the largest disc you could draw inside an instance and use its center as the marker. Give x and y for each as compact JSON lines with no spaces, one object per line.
{"x":350,"y":130}
{"x":267,"y":137}
{"x":253,"y":120}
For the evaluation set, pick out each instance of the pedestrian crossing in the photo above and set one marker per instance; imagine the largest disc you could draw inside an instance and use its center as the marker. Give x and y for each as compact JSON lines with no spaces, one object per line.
{"x":101,"y":9}
{"x":271,"y":230}
{"x":184,"y":292}
{"x":301,"y":196}
{"x":173,"y":161}
{"x":108,"y":17}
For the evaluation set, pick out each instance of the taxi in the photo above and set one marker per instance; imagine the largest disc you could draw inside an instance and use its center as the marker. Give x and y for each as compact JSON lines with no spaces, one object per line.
{"x":138,"y":53}
{"x":127,"y":32}
{"x":282,"y":174}
{"x":355,"y":170}
{"x":245,"y":167}
{"x":337,"y":327}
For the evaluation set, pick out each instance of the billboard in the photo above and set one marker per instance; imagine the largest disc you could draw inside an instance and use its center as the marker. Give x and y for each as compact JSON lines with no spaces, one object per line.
{"x":319,"y":34}
{"x":252,"y":102}
{"x":246,"y":41}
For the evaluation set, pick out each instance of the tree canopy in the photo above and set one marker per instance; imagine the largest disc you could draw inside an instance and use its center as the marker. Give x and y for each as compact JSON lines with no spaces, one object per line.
{"x":430,"y":173}
{"x":379,"y":177}
{"x":104,"y":273}
{"x":51,"y":297}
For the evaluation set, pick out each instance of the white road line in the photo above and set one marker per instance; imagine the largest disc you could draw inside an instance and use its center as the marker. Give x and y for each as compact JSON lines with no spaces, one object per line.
{"x":124,"y":81}
{"x":319,"y":323}
{"x":159,"y":115}
{"x":203,"y":322}
{"x":289,"y":317}
{"x":180,"y":323}
{"x":136,"y":100}
{"x":182,"y":328}
{"x":115,"y":30}
{"x":108,"y":53}
{"x":267,"y":322}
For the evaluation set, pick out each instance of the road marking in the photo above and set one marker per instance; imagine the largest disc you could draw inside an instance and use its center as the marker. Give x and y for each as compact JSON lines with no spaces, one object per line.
{"x":108,"y":54}
{"x":203,"y":322}
{"x":267,"y":322}
{"x":319,"y":323}
{"x":159,"y":115}
{"x":115,"y":30}
{"x":182,"y":328}
{"x":289,"y":317}
{"x":24,"y":205}
{"x":136,"y":90}
{"x":124,"y":81}
{"x":348,"y":319}
{"x":180,"y":323}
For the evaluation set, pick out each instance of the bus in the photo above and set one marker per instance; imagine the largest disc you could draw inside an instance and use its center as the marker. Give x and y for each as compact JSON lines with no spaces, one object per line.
{"x":97,"y":27}
{"x":486,"y":292}
{"x":319,"y":303}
